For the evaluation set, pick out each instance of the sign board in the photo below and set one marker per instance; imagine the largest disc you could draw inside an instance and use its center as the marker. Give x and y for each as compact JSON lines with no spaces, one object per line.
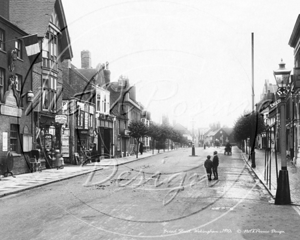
{"x":274,"y":104}
{"x":62,"y":119}
{"x":65,"y":146}
{"x":4,"y":141}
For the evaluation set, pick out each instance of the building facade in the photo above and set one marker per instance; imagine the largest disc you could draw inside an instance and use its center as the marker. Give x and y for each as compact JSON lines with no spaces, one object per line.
{"x":47,"y":83}
{"x":15,"y":83}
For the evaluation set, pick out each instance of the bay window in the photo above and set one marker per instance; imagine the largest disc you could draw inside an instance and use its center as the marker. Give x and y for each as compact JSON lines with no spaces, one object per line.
{"x":2,"y":40}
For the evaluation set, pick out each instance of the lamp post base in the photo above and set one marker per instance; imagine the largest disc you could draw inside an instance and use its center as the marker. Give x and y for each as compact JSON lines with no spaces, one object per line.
{"x":253,"y":165}
{"x":193,"y":151}
{"x":283,"y":196}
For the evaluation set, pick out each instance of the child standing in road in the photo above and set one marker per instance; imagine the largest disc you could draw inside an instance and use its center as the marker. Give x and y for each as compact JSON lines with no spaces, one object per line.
{"x":215,"y":164}
{"x":208,"y":164}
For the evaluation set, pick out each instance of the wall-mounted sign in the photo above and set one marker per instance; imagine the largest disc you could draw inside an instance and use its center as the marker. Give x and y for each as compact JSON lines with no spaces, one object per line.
{"x":62,"y":119}
{"x":65,"y":146}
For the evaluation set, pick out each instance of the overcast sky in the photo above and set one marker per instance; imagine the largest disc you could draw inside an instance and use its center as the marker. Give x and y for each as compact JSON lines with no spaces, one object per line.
{"x":190,"y":59}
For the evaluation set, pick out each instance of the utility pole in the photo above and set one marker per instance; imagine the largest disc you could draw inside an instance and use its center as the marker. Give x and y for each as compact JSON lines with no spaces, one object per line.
{"x":252,"y":50}
{"x":252,"y":154}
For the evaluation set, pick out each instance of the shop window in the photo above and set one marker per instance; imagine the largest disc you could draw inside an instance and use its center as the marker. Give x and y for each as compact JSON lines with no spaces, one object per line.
{"x":2,"y":40}
{"x":2,"y":80}
{"x":80,"y":119}
{"x":18,"y":47}
{"x":91,"y":120}
{"x":14,"y":138}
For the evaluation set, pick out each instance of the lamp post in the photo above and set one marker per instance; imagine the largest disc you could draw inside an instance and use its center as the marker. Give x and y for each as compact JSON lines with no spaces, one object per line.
{"x":283,"y":196}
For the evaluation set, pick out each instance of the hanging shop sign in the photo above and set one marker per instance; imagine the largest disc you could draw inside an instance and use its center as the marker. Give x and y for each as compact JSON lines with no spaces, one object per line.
{"x":274,"y":104}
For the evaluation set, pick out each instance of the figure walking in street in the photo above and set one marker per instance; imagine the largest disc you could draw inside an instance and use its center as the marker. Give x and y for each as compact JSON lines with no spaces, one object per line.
{"x":141,"y":148}
{"x":215,"y":163}
{"x":208,"y":164}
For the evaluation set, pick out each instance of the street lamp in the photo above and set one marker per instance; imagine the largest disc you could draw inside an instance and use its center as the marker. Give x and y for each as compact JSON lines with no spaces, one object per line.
{"x":283,"y":196}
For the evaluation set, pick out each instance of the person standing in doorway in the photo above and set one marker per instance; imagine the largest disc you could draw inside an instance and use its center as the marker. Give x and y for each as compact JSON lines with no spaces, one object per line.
{"x":215,"y":162}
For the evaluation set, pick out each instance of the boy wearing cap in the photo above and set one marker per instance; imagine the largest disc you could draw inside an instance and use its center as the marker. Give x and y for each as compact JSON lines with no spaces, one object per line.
{"x":208,"y":164}
{"x":215,"y":163}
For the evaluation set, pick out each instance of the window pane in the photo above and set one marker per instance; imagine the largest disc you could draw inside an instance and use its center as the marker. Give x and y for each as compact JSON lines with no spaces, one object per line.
{"x":2,"y":39}
{"x":14,"y":137}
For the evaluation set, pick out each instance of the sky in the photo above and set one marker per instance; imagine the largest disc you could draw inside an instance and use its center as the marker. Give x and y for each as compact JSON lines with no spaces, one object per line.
{"x":189,"y":59}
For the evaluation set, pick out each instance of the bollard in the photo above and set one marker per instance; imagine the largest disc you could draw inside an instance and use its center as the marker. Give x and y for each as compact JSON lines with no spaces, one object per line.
{"x":193,"y":150}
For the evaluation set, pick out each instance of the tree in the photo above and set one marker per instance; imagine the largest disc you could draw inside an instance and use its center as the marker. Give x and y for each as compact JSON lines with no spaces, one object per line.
{"x":154,"y":133}
{"x":249,"y":126}
{"x":137,"y":130}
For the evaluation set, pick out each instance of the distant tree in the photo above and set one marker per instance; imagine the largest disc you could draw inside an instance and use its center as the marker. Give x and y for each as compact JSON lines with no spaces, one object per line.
{"x":248,"y":126}
{"x":137,"y":130}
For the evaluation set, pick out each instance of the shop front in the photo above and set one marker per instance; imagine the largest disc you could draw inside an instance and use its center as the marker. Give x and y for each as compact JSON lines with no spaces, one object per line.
{"x":48,"y":137}
{"x":105,"y":135}
{"x":84,"y":140}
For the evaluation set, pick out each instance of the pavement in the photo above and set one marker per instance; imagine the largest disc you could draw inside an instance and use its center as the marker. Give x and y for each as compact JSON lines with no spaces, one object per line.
{"x":270,"y":183}
{"x":11,"y":185}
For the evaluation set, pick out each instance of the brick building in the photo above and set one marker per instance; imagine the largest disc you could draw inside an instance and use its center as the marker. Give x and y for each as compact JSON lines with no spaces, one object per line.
{"x":96,"y":89}
{"x":45,"y":18}
{"x":125,"y":107}
{"x":15,"y":128}
{"x":79,"y":107}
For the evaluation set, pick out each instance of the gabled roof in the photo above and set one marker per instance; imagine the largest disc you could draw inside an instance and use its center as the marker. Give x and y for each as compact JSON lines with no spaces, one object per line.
{"x":210,"y":132}
{"x":33,"y":16}
{"x":88,"y":73}
{"x":228,"y":130}
{"x":68,"y":91}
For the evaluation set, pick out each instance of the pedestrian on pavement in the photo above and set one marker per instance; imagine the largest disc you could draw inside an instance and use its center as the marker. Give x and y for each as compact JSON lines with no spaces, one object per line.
{"x":141,"y":148}
{"x":215,"y":162}
{"x":208,"y":164}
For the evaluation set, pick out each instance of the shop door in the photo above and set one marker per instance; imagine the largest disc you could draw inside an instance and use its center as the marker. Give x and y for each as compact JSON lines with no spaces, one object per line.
{"x":101,"y":142}
{"x":107,"y":143}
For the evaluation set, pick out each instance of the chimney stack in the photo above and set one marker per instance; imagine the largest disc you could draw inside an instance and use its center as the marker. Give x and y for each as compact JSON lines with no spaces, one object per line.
{"x":86,"y":61}
{"x":4,"y":9}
